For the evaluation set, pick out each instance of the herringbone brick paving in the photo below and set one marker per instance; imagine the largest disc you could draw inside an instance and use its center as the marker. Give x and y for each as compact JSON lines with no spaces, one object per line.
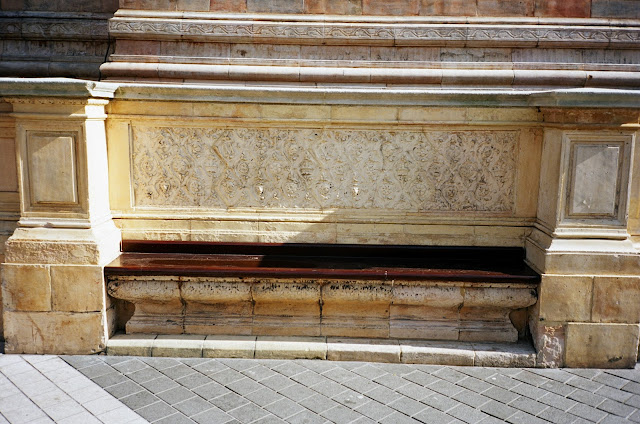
{"x":39,"y":389}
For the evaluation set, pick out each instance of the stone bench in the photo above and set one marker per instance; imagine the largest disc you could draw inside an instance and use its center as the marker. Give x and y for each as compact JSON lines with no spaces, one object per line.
{"x":368,"y":291}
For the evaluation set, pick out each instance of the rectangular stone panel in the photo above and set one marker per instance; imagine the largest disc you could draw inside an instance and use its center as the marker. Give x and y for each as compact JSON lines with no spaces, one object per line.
{"x":594,"y":183}
{"x":615,"y":9}
{"x":399,"y":170}
{"x":51,"y":162}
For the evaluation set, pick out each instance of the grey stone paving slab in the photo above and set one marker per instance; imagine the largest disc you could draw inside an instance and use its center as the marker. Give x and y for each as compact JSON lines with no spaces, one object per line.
{"x":202,"y":390}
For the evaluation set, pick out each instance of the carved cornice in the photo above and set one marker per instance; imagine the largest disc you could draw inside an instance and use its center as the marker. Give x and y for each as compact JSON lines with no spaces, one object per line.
{"x":505,"y":34}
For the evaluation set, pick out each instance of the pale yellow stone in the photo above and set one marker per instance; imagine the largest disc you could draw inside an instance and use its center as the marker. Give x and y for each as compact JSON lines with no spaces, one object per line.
{"x":8,"y":174}
{"x":550,"y":177}
{"x":119,"y":166}
{"x":296,"y":112}
{"x":436,"y":353}
{"x":178,"y":346}
{"x":229,"y":347}
{"x":60,"y":333}
{"x":565,"y":298}
{"x":227,"y":110}
{"x":96,"y":246}
{"x":52,"y":168}
{"x":432,"y":114}
{"x":215,"y":291}
{"x":150,"y":108}
{"x":616,"y":299}
{"x":443,"y":296}
{"x":528,"y":179}
{"x":364,"y":113}
{"x":77,"y":288}
{"x":601,"y":345}
{"x":130,"y":344}
{"x":26,"y":287}
{"x":218,"y":225}
{"x":512,"y":114}
{"x":370,"y":350}
{"x":424,"y":322}
{"x":291,"y":347}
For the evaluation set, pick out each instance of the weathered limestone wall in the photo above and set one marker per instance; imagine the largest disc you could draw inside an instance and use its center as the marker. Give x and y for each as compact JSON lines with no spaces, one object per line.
{"x":539,"y":8}
{"x":53,"y":289}
{"x":9,"y":201}
{"x":323,"y":173}
{"x":587,"y":313}
{"x":477,"y":123}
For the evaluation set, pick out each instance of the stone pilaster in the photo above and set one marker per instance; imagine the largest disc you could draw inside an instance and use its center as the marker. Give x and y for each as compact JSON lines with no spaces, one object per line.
{"x":587,"y":314}
{"x":53,"y":286}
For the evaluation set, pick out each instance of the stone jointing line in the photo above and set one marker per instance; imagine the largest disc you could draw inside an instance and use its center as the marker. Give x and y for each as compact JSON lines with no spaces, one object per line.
{"x":378,"y":33}
{"x":401,"y":170}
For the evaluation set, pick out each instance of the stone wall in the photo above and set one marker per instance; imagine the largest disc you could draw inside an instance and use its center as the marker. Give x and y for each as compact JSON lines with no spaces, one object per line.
{"x":54,"y":38}
{"x":538,"y":8}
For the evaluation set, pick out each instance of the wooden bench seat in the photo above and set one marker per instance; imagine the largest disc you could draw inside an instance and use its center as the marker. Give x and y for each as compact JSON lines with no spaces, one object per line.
{"x":450,"y":293}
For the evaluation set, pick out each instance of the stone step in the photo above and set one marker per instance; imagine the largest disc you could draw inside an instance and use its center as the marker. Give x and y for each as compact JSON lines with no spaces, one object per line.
{"x":521,"y":354}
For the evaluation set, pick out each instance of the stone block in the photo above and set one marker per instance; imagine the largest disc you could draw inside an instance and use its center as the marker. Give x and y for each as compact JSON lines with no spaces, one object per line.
{"x":370,"y":350}
{"x":8,"y":175}
{"x":333,"y":7}
{"x":390,"y":7}
{"x":563,"y":8}
{"x":77,"y":288}
{"x":179,"y":345}
{"x":219,"y":318}
{"x":565,"y":298}
{"x":424,"y":322}
{"x":193,"y":5}
{"x":601,"y":345}
{"x":229,"y":347}
{"x":275,"y":6}
{"x":26,"y":287}
{"x":615,"y":9}
{"x":437,"y":353}
{"x":149,"y":4}
{"x":364,"y":113}
{"x":228,"y":6}
{"x":130,"y":344}
{"x":616,"y":299}
{"x":447,"y":8}
{"x":60,"y":333}
{"x":506,"y":8}
{"x":504,"y":355}
{"x":549,"y":341}
{"x":291,"y":348}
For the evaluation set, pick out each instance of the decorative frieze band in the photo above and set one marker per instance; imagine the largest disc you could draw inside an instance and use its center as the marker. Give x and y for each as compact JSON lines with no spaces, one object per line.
{"x":323,"y":169}
{"x":387,"y":33}
{"x":48,"y":28}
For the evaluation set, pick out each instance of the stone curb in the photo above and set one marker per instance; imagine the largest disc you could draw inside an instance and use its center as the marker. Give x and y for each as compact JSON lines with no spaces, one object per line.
{"x":331,"y":348}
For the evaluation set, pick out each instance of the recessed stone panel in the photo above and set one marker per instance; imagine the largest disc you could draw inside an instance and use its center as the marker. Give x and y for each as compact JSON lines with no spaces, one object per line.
{"x":51,"y":162}
{"x":595,"y":179}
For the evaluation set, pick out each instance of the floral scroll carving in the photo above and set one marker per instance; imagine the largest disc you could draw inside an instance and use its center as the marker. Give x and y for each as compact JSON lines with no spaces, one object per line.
{"x":320,"y":169}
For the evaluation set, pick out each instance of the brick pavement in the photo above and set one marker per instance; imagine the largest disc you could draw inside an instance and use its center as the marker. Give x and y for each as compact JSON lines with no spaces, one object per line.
{"x":167,"y":390}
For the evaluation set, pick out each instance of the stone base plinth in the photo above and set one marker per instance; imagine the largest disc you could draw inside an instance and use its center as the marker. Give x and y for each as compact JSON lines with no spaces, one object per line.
{"x":461,"y":311}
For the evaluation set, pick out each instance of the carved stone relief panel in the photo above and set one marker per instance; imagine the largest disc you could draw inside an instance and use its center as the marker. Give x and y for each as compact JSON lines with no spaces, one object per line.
{"x":403,"y":170}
